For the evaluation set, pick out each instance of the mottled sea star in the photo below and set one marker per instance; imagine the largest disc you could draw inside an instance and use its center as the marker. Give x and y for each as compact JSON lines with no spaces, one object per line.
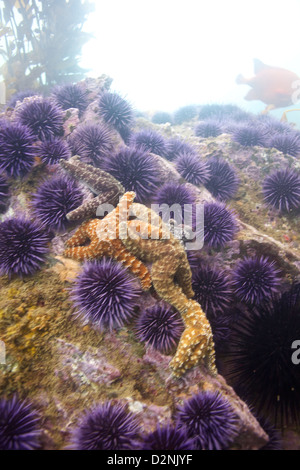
{"x":101,"y":183}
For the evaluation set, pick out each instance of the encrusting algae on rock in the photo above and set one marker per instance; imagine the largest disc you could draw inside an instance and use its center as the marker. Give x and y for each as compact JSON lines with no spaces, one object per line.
{"x":147,"y":239}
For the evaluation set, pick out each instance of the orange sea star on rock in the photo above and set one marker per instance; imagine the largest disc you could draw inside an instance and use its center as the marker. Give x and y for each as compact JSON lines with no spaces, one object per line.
{"x":104,"y":241}
{"x":145,"y":238}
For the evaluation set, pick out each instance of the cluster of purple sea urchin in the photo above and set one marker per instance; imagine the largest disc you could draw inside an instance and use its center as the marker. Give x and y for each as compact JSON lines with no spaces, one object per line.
{"x":150,"y":141}
{"x":17,"y":149}
{"x":160,"y":327}
{"x":23,"y":247}
{"x":92,"y":142}
{"x":106,"y":426}
{"x":19,"y":425}
{"x":54,"y":199}
{"x":281,"y":189}
{"x":136,"y":170}
{"x":42,"y":117}
{"x":192,"y":168}
{"x":255,"y":279}
{"x":223,"y":182}
{"x":51,"y":151}
{"x":116,"y":111}
{"x":209,"y":419}
{"x":105,"y":294}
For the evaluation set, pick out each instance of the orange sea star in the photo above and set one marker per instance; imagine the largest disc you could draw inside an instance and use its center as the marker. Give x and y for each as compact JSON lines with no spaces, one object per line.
{"x":147,"y":239}
{"x":103,"y":242}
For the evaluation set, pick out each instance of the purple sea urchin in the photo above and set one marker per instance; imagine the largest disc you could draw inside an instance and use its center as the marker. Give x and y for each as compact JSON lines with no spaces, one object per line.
{"x":42,"y":116}
{"x":288,"y":143}
{"x":136,"y":170}
{"x":209,"y":419}
{"x":260,"y":365}
{"x":222,"y":112}
{"x":19,"y":96}
{"x":185,"y":113}
{"x":177,"y":195}
{"x":209,"y":128}
{"x":117,"y":112}
{"x":275,"y":441}
{"x":192,"y":168}
{"x":213,"y":289}
{"x":160,"y":327}
{"x":220,"y":325}
{"x":4,"y":193}
{"x":51,"y":151}
{"x":168,"y":437}
{"x":54,"y":199}
{"x":18,"y":425}
{"x":16,"y":150}
{"x":178,"y":146}
{"x":255,"y":279}
{"x":161,"y":117}
{"x":248,"y":135}
{"x":150,"y":141}
{"x":23,"y":247}
{"x":223,"y":182}
{"x":105,"y":427}
{"x":105,"y":294}
{"x":92,"y":142}
{"x":272,"y":126}
{"x":281,"y":189}
{"x":71,"y":96}
{"x":220,"y":225}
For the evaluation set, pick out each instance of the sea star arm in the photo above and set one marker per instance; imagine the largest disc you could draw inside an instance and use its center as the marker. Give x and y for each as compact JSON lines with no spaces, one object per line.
{"x":89,"y":208}
{"x":196,"y":342}
{"x":94,"y":178}
{"x":162,"y":273}
{"x":81,"y":235}
{"x":120,"y":253}
{"x":87,"y":231}
{"x":81,"y":253}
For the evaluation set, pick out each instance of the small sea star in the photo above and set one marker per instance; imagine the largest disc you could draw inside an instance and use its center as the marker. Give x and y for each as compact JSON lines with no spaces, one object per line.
{"x":147,"y":239}
{"x":101,"y":183}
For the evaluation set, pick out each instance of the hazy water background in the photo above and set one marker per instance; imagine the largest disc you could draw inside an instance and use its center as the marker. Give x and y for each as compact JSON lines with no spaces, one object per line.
{"x":163,"y":54}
